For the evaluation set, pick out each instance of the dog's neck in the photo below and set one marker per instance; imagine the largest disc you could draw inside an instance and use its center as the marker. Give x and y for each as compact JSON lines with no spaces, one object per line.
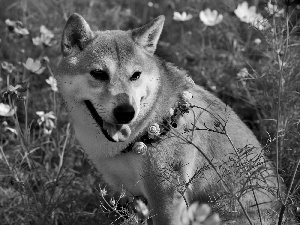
{"x":164,"y":121}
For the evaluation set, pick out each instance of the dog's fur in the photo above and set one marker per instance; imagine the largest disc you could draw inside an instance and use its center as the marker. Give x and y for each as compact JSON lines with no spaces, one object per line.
{"x":98,"y":67}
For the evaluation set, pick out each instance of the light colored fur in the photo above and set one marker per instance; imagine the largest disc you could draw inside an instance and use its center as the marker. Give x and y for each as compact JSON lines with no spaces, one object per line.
{"x":121,"y":53}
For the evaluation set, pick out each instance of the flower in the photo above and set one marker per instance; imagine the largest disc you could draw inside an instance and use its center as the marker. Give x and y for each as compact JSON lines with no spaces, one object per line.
{"x":21,"y":87}
{"x":6,"y":110}
{"x":34,"y":66}
{"x":210,"y":18}
{"x":197,"y":214}
{"x":273,"y":10}
{"x":243,"y":73}
{"x":187,"y":96}
{"x":45,"y":37}
{"x":6,"y":127}
{"x":182,"y":17}
{"x":257,"y":41}
{"x":8,"y":67}
{"x":123,"y":193}
{"x":103,"y":191}
{"x":112,"y":201}
{"x":139,"y":147}
{"x":52,"y":82}
{"x":244,"y":13}
{"x":141,"y":209}
{"x":46,"y":119}
{"x":16,"y":27}
{"x":248,"y":15}
{"x":153,"y":131}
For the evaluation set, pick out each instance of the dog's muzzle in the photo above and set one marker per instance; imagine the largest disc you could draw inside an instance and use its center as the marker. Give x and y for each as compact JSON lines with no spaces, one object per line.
{"x":113,"y":132}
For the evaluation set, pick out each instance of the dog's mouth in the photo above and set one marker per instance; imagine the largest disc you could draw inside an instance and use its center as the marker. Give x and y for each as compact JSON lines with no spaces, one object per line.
{"x":113,"y":132}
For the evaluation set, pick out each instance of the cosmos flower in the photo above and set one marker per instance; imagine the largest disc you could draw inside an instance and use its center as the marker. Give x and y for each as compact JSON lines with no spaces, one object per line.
{"x":197,"y":214}
{"x":245,"y":13}
{"x":34,"y":66}
{"x":243,"y":73}
{"x":248,"y":15}
{"x":187,"y":96}
{"x":182,"y":17}
{"x":53,"y":83}
{"x":8,"y":67}
{"x":45,"y":38}
{"x":46,"y":120}
{"x":210,"y":18}
{"x":16,"y":27}
{"x":6,"y":110}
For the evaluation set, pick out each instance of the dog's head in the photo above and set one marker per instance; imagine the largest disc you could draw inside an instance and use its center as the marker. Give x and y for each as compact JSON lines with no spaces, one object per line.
{"x":109,"y":79}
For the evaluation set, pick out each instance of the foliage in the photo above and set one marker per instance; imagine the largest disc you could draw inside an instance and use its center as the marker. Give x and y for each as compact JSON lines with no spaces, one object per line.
{"x":246,"y":53}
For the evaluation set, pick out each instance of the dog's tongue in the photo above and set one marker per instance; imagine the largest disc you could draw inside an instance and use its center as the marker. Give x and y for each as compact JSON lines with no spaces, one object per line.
{"x":117,"y":132}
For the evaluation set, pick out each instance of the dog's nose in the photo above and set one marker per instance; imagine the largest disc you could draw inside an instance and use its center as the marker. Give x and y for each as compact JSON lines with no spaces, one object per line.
{"x":124,"y":113}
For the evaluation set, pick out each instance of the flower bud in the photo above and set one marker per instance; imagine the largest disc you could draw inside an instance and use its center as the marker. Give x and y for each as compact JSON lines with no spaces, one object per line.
{"x":139,"y":147}
{"x":153,"y":131}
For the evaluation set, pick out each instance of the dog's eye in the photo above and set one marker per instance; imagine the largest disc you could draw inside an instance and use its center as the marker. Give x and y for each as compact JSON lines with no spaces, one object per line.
{"x":99,"y":74}
{"x":136,"y":75}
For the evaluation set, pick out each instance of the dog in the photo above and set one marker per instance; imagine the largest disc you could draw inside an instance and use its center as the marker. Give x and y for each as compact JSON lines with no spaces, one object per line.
{"x":150,"y":130}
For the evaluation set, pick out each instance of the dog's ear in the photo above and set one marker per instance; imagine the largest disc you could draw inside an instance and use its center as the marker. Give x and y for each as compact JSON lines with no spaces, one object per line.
{"x":76,"y":35}
{"x":147,"y":36}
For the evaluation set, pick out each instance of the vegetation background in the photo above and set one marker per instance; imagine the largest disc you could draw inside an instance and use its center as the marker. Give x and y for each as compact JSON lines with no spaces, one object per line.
{"x":45,"y":177}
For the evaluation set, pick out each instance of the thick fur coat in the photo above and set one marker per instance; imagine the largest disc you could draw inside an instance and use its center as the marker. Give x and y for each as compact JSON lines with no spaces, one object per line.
{"x":210,"y":156}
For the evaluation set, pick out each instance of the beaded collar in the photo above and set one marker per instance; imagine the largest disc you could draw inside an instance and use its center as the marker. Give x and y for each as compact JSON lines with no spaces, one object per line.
{"x":157,"y":131}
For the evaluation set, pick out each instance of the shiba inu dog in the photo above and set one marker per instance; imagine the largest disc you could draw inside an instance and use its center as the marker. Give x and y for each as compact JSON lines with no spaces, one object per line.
{"x":150,"y":130}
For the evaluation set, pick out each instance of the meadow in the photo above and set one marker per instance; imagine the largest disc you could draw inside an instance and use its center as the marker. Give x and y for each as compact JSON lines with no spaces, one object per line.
{"x":245,"y":52}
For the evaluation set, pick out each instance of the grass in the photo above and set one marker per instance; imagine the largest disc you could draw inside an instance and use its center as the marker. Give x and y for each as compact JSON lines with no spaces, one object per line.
{"x":45,"y":176}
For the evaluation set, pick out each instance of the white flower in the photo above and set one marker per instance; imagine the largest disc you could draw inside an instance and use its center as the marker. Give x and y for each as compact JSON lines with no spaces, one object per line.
{"x":6,"y":110}
{"x":52,"y":82}
{"x":248,"y":15}
{"x":182,"y":17}
{"x":257,"y":41}
{"x":210,"y":18}
{"x":187,"y":96}
{"x":45,"y":38}
{"x":34,"y":66}
{"x":141,"y":209}
{"x":243,"y":73}
{"x":8,"y":67}
{"x":37,"y":41}
{"x":46,"y":119}
{"x":112,"y":201}
{"x":197,"y":214}
{"x":273,"y":10}
{"x":14,"y":131}
{"x":103,"y":191}
{"x":16,"y":27}
{"x":244,"y":13}
{"x":46,"y":32}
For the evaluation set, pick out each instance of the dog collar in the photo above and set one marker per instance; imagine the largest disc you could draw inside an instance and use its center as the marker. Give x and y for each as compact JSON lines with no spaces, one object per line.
{"x":157,"y":131}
